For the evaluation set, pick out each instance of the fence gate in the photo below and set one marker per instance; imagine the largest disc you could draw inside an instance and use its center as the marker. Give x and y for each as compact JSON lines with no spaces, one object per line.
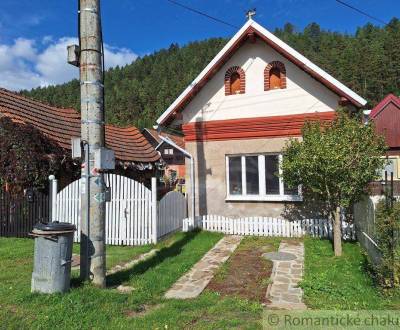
{"x":18,"y":214}
{"x":172,"y":209}
{"x":130,"y":216}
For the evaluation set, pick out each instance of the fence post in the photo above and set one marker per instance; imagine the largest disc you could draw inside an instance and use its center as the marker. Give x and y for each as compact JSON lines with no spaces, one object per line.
{"x":53,"y":198}
{"x":154,"y":214}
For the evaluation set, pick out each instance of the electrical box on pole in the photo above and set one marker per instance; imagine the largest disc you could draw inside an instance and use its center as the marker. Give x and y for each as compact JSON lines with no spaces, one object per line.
{"x":73,"y":55}
{"x":104,"y":159}
{"x":76,"y":147}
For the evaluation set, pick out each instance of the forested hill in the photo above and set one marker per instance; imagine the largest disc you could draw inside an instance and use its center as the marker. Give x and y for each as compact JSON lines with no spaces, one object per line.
{"x":368,"y":62}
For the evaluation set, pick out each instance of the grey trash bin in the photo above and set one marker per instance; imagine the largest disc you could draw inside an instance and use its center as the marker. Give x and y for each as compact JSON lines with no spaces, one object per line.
{"x":53,"y":254}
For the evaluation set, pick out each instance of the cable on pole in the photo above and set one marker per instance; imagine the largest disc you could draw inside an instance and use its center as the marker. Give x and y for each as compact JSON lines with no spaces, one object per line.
{"x":203,"y":14}
{"x":361,"y":12}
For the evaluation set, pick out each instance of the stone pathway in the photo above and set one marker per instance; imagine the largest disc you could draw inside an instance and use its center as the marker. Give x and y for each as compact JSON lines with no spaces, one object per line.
{"x":76,"y":262}
{"x":133,"y":262}
{"x":284,"y":293}
{"x":194,"y":282}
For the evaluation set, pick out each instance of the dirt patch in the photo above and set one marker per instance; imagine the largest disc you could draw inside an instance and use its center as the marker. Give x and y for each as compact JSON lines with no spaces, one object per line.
{"x":141,"y":310}
{"x":246,"y":274}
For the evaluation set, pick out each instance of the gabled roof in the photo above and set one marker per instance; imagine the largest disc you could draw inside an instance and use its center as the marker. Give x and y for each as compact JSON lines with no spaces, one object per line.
{"x":178,"y":140}
{"x":61,"y":125}
{"x":252,"y":28}
{"x":384,"y":103}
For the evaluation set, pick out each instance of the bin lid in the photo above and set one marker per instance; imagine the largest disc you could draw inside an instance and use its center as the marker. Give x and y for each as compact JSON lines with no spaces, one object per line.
{"x":55,"y":226}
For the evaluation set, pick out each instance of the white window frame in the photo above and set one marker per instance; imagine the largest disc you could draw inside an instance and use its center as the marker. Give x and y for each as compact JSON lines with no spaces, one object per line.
{"x":262,"y":196}
{"x":168,"y":151}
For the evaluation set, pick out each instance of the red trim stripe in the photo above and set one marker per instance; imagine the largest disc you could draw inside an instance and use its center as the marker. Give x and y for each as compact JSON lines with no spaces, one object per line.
{"x":252,"y":128}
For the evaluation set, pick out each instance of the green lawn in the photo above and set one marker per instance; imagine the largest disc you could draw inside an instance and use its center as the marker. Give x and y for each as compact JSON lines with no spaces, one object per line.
{"x":340,"y":282}
{"x":330,"y":283}
{"x":88,"y":307}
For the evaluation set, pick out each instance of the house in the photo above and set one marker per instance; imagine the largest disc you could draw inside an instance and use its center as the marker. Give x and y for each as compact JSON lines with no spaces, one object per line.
{"x":239,"y":112}
{"x":386,"y":117}
{"x":171,"y":153}
{"x":135,"y":157}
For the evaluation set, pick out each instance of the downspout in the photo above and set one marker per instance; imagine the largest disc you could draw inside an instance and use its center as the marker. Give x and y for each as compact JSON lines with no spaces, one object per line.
{"x":188,"y":155}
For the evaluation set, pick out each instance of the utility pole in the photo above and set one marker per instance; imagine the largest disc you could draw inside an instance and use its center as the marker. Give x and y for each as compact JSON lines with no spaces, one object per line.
{"x":92,"y":136}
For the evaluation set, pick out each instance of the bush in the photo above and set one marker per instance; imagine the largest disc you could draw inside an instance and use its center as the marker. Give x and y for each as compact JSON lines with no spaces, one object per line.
{"x":387,"y":235}
{"x":28,"y":157}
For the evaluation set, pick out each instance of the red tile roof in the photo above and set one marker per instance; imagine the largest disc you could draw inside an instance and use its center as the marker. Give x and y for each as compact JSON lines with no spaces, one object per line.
{"x":61,"y":124}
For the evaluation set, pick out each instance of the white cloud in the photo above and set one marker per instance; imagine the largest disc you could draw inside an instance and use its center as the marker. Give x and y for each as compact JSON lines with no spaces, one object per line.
{"x":23,"y":65}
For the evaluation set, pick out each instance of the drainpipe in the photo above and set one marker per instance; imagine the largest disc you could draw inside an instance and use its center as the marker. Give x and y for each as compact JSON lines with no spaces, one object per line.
{"x":192,"y":179}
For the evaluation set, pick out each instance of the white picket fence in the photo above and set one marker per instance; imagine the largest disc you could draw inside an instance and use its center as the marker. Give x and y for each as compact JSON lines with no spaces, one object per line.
{"x":267,"y":226}
{"x":133,"y":216}
{"x":172,"y":209}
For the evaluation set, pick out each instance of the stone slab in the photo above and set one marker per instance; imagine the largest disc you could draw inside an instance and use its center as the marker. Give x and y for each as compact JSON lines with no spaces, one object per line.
{"x":195,"y":281}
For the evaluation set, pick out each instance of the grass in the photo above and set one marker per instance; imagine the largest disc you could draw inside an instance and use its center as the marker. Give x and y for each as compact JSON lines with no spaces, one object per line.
{"x":145,"y":308}
{"x":119,"y":255}
{"x":340,"y":282}
{"x":330,"y":283}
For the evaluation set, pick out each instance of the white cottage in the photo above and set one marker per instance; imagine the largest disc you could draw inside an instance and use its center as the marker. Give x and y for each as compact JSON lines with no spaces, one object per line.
{"x":237,"y":115}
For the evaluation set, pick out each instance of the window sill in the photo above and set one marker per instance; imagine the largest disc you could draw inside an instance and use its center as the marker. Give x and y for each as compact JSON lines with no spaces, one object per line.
{"x":272,"y":198}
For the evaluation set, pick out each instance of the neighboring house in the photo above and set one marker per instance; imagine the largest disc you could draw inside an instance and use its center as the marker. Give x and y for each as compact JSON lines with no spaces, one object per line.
{"x":386,"y":117}
{"x":173,"y":158}
{"x":237,"y":115}
{"x":134,"y":154}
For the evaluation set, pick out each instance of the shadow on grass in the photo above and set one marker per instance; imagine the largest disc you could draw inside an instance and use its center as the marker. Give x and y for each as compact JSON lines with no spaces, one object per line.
{"x":76,"y":282}
{"x":166,"y":252}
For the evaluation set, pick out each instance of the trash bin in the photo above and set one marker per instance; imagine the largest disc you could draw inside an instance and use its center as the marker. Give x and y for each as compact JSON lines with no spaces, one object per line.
{"x":53,"y":256}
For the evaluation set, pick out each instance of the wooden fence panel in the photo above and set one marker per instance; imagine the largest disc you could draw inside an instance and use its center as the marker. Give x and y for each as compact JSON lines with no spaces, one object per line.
{"x":18,"y":214}
{"x":266,"y":226}
{"x":172,"y":209}
{"x":128,"y":215}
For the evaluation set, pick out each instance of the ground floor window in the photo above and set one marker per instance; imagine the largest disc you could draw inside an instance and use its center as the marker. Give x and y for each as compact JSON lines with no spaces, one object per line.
{"x":257,"y":177}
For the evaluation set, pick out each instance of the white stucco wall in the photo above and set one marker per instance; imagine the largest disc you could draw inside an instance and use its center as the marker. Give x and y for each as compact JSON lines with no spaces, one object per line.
{"x":302,"y":95}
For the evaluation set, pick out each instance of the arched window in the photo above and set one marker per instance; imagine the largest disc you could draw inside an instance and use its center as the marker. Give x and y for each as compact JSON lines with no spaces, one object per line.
{"x":235,"y":81}
{"x":274,"y":76}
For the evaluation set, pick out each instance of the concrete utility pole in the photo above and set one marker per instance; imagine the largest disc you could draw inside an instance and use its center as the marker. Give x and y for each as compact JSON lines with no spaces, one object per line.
{"x":92,"y":136}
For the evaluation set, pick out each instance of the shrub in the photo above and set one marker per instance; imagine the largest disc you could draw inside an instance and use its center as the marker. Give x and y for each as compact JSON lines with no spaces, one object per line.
{"x":27,"y":157}
{"x":387,"y":235}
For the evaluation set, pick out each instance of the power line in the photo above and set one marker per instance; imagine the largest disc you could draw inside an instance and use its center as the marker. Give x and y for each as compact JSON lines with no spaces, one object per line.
{"x":361,"y":12}
{"x":203,"y":14}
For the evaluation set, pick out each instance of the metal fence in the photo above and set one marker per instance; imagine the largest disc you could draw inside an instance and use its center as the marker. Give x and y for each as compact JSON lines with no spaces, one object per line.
{"x":364,"y":220}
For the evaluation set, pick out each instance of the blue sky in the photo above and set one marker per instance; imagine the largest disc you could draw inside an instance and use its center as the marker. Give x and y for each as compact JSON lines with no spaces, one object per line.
{"x":34,"y":33}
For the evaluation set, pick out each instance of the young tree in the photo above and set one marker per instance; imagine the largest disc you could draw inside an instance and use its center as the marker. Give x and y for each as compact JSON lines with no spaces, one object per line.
{"x":334,"y":163}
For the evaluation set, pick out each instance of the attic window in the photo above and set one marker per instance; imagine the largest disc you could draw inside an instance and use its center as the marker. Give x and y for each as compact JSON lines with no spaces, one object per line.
{"x":234,"y":81}
{"x":275,"y":76}
{"x":275,"y":79}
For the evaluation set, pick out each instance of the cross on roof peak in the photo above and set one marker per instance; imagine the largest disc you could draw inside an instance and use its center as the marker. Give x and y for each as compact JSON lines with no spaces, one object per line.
{"x":250,"y":13}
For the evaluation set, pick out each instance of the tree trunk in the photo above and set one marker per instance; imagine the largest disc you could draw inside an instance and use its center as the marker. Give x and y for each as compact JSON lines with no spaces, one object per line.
{"x":337,"y":234}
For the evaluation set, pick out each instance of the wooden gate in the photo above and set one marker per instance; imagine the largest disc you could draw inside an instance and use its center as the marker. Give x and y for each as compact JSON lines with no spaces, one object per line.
{"x":130,"y":214}
{"x":18,"y":214}
{"x":172,"y":209}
